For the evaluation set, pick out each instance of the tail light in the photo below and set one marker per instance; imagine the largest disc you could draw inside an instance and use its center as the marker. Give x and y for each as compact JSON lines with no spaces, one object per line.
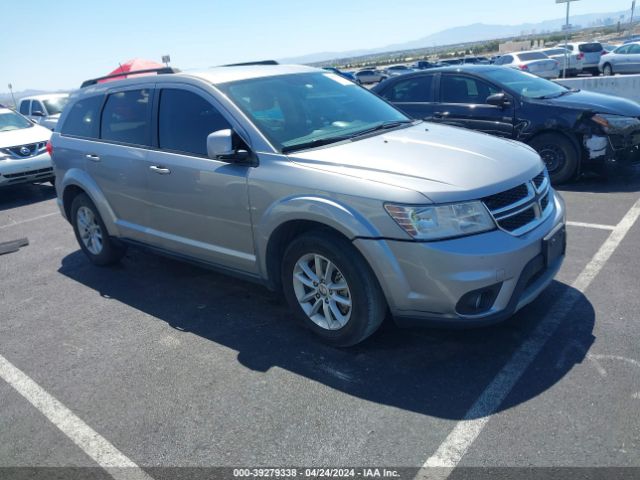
{"x":524,"y":67}
{"x":604,"y":52}
{"x":581,"y":56}
{"x":49,"y":148}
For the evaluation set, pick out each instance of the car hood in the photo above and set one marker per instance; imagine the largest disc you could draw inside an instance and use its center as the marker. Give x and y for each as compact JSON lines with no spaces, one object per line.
{"x":445,"y":164}
{"x":598,"y":103}
{"x":24,"y":136}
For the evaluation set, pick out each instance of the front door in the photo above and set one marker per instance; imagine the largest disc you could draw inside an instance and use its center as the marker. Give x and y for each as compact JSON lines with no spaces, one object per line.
{"x":463,"y":104}
{"x":199,"y":207}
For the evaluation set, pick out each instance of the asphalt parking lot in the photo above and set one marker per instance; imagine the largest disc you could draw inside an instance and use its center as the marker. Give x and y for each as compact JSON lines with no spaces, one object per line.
{"x":156,"y":364}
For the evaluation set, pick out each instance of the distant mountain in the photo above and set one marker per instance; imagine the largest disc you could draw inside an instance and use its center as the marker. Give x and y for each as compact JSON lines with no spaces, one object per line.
{"x":469,"y":33}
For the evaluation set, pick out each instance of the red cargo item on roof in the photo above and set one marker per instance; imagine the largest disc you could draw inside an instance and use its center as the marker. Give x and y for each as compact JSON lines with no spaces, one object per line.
{"x":130,"y":66}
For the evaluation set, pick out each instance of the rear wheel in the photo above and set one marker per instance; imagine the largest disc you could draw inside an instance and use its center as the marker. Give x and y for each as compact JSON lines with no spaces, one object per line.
{"x":332,"y":289}
{"x":607,"y":70}
{"x":92,"y":234}
{"x":558,"y":154}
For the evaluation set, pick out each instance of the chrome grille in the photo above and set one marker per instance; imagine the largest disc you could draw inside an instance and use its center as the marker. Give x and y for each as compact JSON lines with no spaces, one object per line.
{"x":522,"y":208}
{"x":25,"y":151}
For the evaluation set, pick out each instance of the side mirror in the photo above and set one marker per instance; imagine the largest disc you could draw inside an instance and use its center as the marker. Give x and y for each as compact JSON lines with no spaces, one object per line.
{"x":220,"y":147}
{"x":37,"y":113}
{"x":498,"y":100}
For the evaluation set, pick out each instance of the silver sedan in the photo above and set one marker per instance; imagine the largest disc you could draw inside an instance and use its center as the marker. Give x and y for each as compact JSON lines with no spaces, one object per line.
{"x":624,"y":59}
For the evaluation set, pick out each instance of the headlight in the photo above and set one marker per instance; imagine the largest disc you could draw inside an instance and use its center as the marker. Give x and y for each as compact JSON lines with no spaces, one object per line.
{"x":615,"y":122}
{"x":436,"y":222}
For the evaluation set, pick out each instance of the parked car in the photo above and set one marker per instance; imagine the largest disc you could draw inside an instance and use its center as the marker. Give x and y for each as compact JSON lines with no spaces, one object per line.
{"x":343,"y":74}
{"x":315,"y":187}
{"x":476,"y":61}
{"x":633,"y":39}
{"x":451,"y":61}
{"x":369,"y":76}
{"x":572,"y":130}
{"x":624,"y":59}
{"x":395,"y":70}
{"x":589,"y":53}
{"x":44,"y":109}
{"x":425,"y":65}
{"x":568,"y":61}
{"x":532,"y":62}
{"x":23,"y":153}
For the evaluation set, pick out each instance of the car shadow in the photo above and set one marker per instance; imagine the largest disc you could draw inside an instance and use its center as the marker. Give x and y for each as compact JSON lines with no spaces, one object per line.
{"x":15,"y":196}
{"x":434,"y":372}
{"x":628,"y":181}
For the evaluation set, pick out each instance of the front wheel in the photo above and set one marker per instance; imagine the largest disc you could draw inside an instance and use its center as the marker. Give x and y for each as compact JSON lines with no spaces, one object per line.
{"x":92,"y":234}
{"x":558,"y":154}
{"x":331,"y":288}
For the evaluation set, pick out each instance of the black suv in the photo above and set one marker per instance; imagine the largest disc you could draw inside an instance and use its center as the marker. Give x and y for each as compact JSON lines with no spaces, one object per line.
{"x":572,"y":130}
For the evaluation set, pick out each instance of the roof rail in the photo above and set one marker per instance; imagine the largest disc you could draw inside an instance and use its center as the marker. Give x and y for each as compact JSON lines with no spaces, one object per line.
{"x":158,"y":71}
{"x":260,"y":62}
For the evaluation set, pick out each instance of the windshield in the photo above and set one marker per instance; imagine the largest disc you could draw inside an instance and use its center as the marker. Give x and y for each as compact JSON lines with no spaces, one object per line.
{"x":525,"y":84}
{"x":525,"y":57}
{"x":55,"y":105}
{"x":591,"y":47}
{"x":295,"y":110}
{"x":12,"y":121}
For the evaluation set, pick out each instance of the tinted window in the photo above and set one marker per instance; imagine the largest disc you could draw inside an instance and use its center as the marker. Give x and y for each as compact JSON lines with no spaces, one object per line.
{"x":457,"y":89}
{"x":505,"y":60}
{"x":24,"y":107}
{"x":36,"y":106}
{"x":568,"y":47}
{"x":185,"y":120}
{"x":417,"y":89}
{"x":82,"y":120}
{"x":591,"y":47}
{"x":635,"y":49}
{"x":125,"y":117}
{"x":524,"y":84}
{"x":365,"y":72}
{"x":557,"y":51}
{"x":525,"y":57}
{"x":622,"y":50}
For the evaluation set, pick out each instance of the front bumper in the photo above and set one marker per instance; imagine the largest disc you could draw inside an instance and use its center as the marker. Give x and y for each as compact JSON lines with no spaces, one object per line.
{"x":25,"y":170}
{"x":425,"y":282}
{"x":613,"y":151}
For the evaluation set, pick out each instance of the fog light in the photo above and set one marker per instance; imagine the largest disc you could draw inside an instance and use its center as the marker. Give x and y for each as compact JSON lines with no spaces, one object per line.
{"x":478,"y":301}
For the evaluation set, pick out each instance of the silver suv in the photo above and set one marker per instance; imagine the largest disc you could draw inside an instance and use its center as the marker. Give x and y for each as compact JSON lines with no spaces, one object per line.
{"x":301,"y":180}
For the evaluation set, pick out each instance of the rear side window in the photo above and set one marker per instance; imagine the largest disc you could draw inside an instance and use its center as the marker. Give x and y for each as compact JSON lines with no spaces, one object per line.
{"x":635,"y":49}
{"x":36,"y":106}
{"x":185,"y":119}
{"x":591,"y":47}
{"x":83,"y":117}
{"x":24,"y":107}
{"x":125,"y":118}
{"x":417,"y":89}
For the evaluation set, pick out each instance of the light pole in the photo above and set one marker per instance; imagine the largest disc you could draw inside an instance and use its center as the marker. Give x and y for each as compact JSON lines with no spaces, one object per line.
{"x":15,"y":105}
{"x":633,"y":10}
{"x":566,"y":28}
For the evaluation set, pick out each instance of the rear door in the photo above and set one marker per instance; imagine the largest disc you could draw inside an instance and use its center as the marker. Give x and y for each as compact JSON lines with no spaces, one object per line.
{"x":117,"y":161}
{"x":463,"y":103}
{"x":199,"y":207}
{"x":414,"y":95}
{"x":634,"y":58}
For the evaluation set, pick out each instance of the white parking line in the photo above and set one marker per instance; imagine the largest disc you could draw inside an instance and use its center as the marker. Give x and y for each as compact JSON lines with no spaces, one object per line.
{"x":93,"y":444}
{"x":591,"y":225}
{"x":451,"y":451}
{"x":40,"y":217}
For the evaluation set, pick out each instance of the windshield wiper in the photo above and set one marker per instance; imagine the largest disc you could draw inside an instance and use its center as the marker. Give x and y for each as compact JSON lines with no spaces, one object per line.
{"x":556,"y":95}
{"x":318,"y":142}
{"x":382,"y":126}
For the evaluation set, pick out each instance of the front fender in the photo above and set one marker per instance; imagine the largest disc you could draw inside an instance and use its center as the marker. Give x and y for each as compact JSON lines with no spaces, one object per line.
{"x":322,"y":210}
{"x":79,"y":178}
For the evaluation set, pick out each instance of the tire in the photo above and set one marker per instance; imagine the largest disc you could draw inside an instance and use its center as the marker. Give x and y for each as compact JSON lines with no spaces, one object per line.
{"x":361,"y":304}
{"x":558,"y":154}
{"x":91,"y":233}
{"x":607,"y":70}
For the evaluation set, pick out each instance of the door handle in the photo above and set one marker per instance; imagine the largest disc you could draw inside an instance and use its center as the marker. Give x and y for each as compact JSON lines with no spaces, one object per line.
{"x":160,"y":170}
{"x":92,"y":157}
{"x":440,"y":115}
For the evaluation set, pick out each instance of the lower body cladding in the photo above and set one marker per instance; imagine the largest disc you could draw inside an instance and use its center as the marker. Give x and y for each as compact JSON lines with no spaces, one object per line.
{"x":26,"y":170}
{"x":475,"y":280}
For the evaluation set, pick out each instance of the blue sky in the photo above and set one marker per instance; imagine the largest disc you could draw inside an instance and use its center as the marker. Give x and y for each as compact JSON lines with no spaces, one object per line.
{"x":57,"y":44}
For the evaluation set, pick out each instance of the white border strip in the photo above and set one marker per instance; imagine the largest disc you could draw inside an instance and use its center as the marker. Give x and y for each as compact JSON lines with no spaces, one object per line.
{"x":98,"y":448}
{"x":451,"y":451}
{"x":591,"y":225}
